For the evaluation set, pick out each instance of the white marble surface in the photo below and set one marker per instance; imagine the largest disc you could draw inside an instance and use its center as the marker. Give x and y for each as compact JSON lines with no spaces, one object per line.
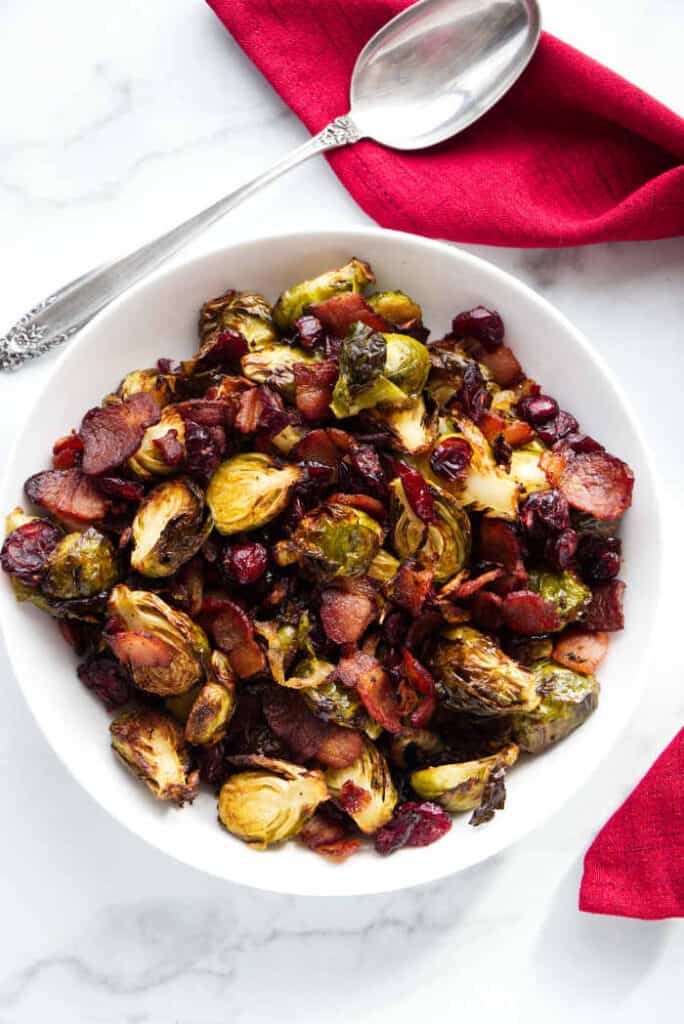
{"x":118,"y":120}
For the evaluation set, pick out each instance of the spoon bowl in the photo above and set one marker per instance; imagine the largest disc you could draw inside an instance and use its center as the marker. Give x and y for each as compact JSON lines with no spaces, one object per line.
{"x":438,"y":66}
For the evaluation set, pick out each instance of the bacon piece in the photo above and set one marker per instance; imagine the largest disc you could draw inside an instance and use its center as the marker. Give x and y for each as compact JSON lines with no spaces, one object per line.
{"x":249,"y":411}
{"x":338,"y":313}
{"x":580,"y":650}
{"x":351,"y":667}
{"x":170,"y":448}
{"x":502,"y":364}
{"x":67,"y":494}
{"x":364,"y":502}
{"x":314,"y":383}
{"x":605,"y":611}
{"x":318,"y":446}
{"x":410,"y":588}
{"x":379,"y":699}
{"x":515,"y":432}
{"x":112,"y":433}
{"x":422,"y":683}
{"x":471,"y":587}
{"x":292,"y":722}
{"x":499,"y":543}
{"x":348,"y":609}
{"x":329,"y":838}
{"x":221,"y":347}
{"x":525,"y":611}
{"x":487,"y":610}
{"x":67,"y":451}
{"x":118,"y":487}
{"x":340,"y":747}
{"x":228,"y":389}
{"x":140,"y":649}
{"x":593,"y":482}
{"x":233,"y":634}
{"x":208,"y":413}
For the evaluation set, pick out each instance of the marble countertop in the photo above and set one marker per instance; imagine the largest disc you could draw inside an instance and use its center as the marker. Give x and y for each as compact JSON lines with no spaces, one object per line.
{"x":118,"y":121}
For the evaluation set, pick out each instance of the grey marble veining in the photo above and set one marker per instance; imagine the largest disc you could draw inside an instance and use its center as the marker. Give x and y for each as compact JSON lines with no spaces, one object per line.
{"x":119,"y":120}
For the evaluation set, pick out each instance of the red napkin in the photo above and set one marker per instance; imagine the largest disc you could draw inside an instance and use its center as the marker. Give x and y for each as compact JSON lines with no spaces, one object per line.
{"x":573,"y":154}
{"x":635,"y":866}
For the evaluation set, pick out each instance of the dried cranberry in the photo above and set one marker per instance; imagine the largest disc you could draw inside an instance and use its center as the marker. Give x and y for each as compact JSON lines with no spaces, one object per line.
{"x":213,"y":767}
{"x":557,"y":428}
{"x":599,"y":558}
{"x":366,"y":462}
{"x":226,"y":347}
{"x":451,"y":458}
{"x":580,"y":443}
{"x":417,"y":491}
{"x":25,"y":551}
{"x":543,"y":513}
{"x":246,"y":563}
{"x":483,"y":324}
{"x":273,"y":416}
{"x":413,"y":824}
{"x":107,"y":679}
{"x":309,"y":331}
{"x":473,"y":394}
{"x":394,"y":627}
{"x":560,"y":550}
{"x":202,"y":451}
{"x":536,"y":409}
{"x":117,"y":487}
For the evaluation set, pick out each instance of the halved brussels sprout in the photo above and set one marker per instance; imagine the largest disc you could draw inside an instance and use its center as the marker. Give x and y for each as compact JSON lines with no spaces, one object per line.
{"x":246,"y":313}
{"x":333,"y":701}
{"x":413,"y":430}
{"x":361,"y":383}
{"x":396,"y":308}
{"x":147,"y":462}
{"x":564,"y":590}
{"x":485,"y":487}
{"x":248,"y":491}
{"x":333,"y":540}
{"x":525,"y":468}
{"x":271,"y":803}
{"x":282,"y":643}
{"x":407,"y":364}
{"x":443,"y":546}
{"x":461,"y":787}
{"x":160,"y":385}
{"x":170,"y":526}
{"x":473,"y":674}
{"x":352,"y":277}
{"x":308,"y":674}
{"x":214,"y":705}
{"x":384,"y":567}
{"x":151,"y":745}
{"x":369,"y":782}
{"x":82,"y":565}
{"x":567,"y":700}
{"x":180,"y":706}
{"x":164,"y":649}
{"x":413,"y":748}
{"x":274,"y":365}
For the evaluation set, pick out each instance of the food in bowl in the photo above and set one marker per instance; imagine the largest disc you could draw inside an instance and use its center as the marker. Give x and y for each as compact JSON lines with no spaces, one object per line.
{"x":340,"y":572}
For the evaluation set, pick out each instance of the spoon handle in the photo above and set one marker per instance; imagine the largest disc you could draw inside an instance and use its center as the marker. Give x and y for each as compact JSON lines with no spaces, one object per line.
{"x":55,"y":319}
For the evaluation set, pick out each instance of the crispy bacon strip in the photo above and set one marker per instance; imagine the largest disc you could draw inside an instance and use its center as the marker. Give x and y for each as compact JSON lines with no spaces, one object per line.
{"x":379,"y":699}
{"x":410,"y":588}
{"x":67,"y":494}
{"x":593,"y":482}
{"x":112,"y":433}
{"x":233,"y":634}
{"x":338,"y":313}
{"x":329,"y":838}
{"x":525,"y":611}
{"x":605,"y":611}
{"x":314,"y":383}
{"x":347,"y":610}
{"x":580,"y":650}
{"x":140,"y":649}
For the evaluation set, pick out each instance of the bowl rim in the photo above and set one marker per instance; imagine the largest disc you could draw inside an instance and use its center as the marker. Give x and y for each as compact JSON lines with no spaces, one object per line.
{"x":648,"y":482}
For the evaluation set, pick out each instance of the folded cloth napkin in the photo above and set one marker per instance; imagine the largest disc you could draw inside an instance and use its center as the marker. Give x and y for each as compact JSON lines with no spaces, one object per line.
{"x":573,"y":154}
{"x":635,"y":866}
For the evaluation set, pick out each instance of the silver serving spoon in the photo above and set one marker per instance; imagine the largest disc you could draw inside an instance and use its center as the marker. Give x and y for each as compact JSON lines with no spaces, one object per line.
{"x":423,"y":77}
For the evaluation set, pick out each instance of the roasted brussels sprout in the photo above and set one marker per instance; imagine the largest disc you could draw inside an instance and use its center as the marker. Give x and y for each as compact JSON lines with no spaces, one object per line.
{"x":396,"y":308}
{"x":386,"y":370}
{"x":151,"y":745}
{"x":443,"y":546}
{"x":461,"y":787}
{"x":332,"y":701}
{"x":525,"y":468}
{"x":384,"y":567}
{"x":164,"y":649}
{"x":282,"y":644}
{"x":412,"y":429}
{"x":564,"y":590}
{"x":567,"y":700}
{"x":148,"y":462}
{"x":275,"y":366}
{"x":413,"y":748}
{"x":160,"y":385}
{"x":170,"y":526}
{"x":352,"y":277}
{"x":333,"y":540}
{"x":473,"y":674}
{"x":82,"y":565}
{"x":365,"y":789}
{"x":309,"y":674}
{"x":248,"y":491}
{"x":270,"y":803}
{"x":407,"y":364}
{"x":245,"y":313}
{"x":211,"y":711}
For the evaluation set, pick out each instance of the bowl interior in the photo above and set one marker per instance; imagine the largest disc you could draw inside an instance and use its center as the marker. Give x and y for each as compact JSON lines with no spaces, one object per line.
{"x":158,"y":318}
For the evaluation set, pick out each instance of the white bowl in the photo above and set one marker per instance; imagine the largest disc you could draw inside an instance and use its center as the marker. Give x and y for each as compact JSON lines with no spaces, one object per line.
{"x":158,"y":318}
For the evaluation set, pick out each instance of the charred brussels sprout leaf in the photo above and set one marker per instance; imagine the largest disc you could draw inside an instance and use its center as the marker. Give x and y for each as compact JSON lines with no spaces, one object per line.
{"x":310,"y":673}
{"x":270,"y":803}
{"x":386,"y":370}
{"x":384,"y":567}
{"x":525,"y":468}
{"x":332,"y":701}
{"x":564,"y":590}
{"x":245,"y":313}
{"x":412,"y":429}
{"x":396,"y":308}
{"x":443,"y":546}
{"x":352,"y":277}
{"x":364,"y":789}
{"x":362,"y":358}
{"x":414,"y":748}
{"x":282,"y":643}
{"x":248,"y":491}
{"x":407,"y":364}
{"x":210,"y":713}
{"x":164,"y":649}
{"x":161,"y":386}
{"x":333,"y":540}
{"x":169,"y":527}
{"x":151,"y":745}
{"x":148,"y":460}
{"x":275,"y":366}
{"x":82,"y":565}
{"x":461,"y":786}
{"x":567,"y":700}
{"x":473,"y":674}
